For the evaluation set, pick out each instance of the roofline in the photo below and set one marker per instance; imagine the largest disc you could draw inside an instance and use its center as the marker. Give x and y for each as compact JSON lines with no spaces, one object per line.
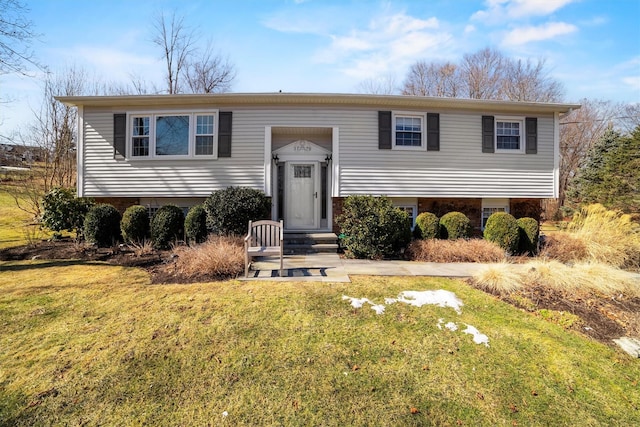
{"x":316,"y":99}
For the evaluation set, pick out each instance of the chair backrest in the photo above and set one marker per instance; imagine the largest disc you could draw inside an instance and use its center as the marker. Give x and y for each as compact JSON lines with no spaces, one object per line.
{"x":266,"y":233}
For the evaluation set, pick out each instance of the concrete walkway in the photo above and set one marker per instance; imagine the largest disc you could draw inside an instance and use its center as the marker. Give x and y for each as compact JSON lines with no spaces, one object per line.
{"x":332,"y":268}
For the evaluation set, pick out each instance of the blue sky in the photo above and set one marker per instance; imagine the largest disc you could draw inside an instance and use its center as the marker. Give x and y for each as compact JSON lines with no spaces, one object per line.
{"x":591,"y":46}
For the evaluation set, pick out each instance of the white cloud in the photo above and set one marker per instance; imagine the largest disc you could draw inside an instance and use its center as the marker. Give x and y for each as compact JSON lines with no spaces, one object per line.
{"x":523,"y":35}
{"x":469,"y":29}
{"x":498,"y":11}
{"x":390,"y":42}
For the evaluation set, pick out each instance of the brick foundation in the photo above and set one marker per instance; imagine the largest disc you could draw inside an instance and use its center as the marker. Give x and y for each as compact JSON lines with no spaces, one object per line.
{"x":472,"y":208}
{"x":520,"y":208}
{"x":336,"y":205}
{"x":120,"y":203}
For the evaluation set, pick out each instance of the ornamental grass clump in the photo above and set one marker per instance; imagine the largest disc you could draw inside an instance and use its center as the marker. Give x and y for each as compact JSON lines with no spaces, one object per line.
{"x":609,"y":236}
{"x":427,"y":226}
{"x":502,"y":229}
{"x":454,"y":225}
{"x":217,"y":258}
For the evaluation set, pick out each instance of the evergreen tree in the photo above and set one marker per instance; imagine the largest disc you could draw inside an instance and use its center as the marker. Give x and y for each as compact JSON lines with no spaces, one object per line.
{"x":611,"y":174}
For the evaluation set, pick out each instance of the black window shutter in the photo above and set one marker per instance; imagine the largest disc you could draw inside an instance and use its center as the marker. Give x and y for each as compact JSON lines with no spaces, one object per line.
{"x":384,"y":130}
{"x":224,"y":134}
{"x":488,"y":145}
{"x":119,"y":135}
{"x":433,"y":132}
{"x":531,"y":124}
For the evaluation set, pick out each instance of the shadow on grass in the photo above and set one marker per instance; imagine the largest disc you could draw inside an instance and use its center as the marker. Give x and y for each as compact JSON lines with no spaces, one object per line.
{"x":35,"y":265}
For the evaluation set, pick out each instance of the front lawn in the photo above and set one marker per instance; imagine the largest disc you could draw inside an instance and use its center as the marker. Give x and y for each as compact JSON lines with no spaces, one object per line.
{"x":95,"y":344}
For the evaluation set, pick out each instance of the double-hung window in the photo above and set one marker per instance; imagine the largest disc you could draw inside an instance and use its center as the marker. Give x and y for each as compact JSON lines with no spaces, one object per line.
{"x":408,"y":131}
{"x":509,"y":134}
{"x":172,"y":135}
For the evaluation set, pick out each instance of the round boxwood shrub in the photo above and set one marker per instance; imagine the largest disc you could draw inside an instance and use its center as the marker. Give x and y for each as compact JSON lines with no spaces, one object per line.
{"x":102,"y":225}
{"x":230,"y":210}
{"x":502,"y":229}
{"x":135,"y":224}
{"x":454,"y":225}
{"x":167,"y":226}
{"x":195,"y":225}
{"x":427,"y":226}
{"x":529,"y":235}
{"x":373,"y":228}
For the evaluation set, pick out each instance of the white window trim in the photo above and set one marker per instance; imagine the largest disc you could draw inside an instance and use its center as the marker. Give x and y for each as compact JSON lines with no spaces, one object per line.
{"x":192,"y":114}
{"x":523,"y":133}
{"x":423,"y":132}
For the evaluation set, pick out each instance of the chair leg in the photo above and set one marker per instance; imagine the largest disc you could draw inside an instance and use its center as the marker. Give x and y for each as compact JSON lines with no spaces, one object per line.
{"x":247,"y":261}
{"x":281,"y":269}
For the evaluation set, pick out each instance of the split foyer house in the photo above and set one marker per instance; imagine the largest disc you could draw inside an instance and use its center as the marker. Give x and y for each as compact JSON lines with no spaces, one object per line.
{"x":310,"y":151}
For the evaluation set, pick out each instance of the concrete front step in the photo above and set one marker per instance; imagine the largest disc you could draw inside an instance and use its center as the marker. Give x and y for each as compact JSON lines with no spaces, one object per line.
{"x":305,"y":243}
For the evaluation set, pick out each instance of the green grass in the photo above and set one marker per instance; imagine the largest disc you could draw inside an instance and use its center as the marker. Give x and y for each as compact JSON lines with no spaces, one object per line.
{"x":94,"y":344}
{"x":13,"y":222}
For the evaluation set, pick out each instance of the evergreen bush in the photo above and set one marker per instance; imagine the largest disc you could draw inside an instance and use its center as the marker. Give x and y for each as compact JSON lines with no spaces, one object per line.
{"x":427,"y":226}
{"x":102,"y":225}
{"x":135,"y":224}
{"x":195,"y":225}
{"x":529,"y":230}
{"x":64,"y":211}
{"x":230,"y":210}
{"x":502,"y":229}
{"x":454,"y":225}
{"x":373,"y":228}
{"x":167,"y":226}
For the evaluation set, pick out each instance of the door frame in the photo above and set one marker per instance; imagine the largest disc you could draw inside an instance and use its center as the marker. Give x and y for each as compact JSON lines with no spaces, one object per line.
{"x":288,"y":196}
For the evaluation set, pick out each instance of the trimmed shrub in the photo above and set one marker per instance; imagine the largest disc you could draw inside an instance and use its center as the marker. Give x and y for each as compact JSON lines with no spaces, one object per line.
{"x":427,"y":226}
{"x":195,"y":225}
{"x":529,"y":233}
{"x":135,"y":224}
{"x":230,"y":210}
{"x":454,"y":225}
{"x":502,"y":229}
{"x":102,"y":225}
{"x":167,"y":226}
{"x":64,"y":211}
{"x":373,"y":228}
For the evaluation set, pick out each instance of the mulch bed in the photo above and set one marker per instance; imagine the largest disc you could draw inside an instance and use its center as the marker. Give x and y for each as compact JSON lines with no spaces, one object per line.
{"x":602,"y":317}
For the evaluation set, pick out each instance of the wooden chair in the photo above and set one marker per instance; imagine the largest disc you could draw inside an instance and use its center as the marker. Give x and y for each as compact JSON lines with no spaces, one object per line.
{"x":264,"y":238}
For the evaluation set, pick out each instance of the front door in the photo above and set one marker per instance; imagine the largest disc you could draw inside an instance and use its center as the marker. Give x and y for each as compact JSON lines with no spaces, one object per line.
{"x":301,"y":197}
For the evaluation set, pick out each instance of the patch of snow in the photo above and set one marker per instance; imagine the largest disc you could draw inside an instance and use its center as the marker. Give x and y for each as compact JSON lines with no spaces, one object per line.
{"x":451,"y":326}
{"x":440,"y":322}
{"x":390,"y":301}
{"x":225,"y":413}
{"x":356,"y":302}
{"x":440,"y":298}
{"x":478,"y":338}
{"x":378,"y":308}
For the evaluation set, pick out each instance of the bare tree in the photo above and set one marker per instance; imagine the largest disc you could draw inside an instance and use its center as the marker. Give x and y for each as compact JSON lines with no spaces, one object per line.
{"x":177,"y":44}
{"x":385,"y":85}
{"x":209,"y":73}
{"x":528,"y":81}
{"x":483,"y":73}
{"x":16,"y":35}
{"x":53,"y":133}
{"x":433,"y":79}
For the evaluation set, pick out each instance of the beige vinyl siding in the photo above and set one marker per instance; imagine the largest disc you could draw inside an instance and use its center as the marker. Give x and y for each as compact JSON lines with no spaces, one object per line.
{"x":104,"y":176}
{"x":459,"y":169}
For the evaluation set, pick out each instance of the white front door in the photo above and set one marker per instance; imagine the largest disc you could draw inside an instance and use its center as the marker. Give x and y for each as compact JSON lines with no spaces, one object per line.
{"x":301,"y":198}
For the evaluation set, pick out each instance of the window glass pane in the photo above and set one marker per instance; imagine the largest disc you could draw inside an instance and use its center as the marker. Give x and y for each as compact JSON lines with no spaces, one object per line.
{"x":408,"y":131}
{"x":302,"y":171}
{"x":140,"y":138}
{"x":508,"y":135}
{"x":204,"y":145}
{"x":204,"y":125}
{"x":172,"y":135}
{"x":140,"y":126}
